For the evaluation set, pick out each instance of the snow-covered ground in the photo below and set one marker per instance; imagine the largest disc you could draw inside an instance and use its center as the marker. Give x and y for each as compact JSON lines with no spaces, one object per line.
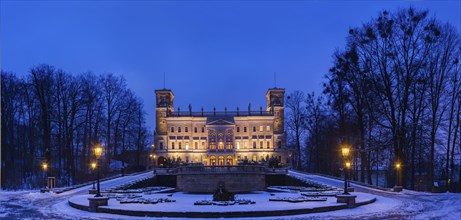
{"x":36,"y":205}
{"x":185,"y":203}
{"x":389,"y":205}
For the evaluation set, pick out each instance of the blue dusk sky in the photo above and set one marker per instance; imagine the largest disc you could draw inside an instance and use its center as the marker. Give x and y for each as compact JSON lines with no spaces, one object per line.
{"x":218,"y":54}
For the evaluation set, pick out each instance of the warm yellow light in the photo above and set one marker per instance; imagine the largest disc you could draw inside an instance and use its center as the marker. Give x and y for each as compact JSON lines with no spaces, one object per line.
{"x":45,"y":166}
{"x":151,"y":155}
{"x":348,"y":164}
{"x":398,"y":165}
{"x":154,"y":156}
{"x":345,"y":151}
{"x":93,"y":165}
{"x":98,"y":151}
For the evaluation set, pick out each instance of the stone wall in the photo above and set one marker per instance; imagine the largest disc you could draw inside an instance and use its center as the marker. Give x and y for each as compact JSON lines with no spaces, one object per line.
{"x":208,"y":183}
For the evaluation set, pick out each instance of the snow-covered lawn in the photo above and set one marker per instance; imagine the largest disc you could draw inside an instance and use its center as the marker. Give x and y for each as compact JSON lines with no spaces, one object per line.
{"x":185,"y":203}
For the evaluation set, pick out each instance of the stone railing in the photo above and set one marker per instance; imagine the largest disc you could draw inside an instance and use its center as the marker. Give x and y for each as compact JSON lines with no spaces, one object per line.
{"x":220,"y":169}
{"x":220,"y":114}
{"x":276,"y":170}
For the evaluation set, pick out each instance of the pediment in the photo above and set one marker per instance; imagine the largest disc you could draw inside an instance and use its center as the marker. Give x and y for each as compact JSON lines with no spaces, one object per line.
{"x":220,"y":121}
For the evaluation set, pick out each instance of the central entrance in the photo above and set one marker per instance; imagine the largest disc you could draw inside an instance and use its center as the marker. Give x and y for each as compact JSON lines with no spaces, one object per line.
{"x":221,"y":161}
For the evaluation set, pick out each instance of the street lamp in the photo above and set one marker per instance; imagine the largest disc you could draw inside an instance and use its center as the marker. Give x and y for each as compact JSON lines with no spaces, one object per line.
{"x":345,"y":152}
{"x":348,"y":171}
{"x":98,"y":153}
{"x":93,"y":166}
{"x":45,"y":168}
{"x":398,"y":166}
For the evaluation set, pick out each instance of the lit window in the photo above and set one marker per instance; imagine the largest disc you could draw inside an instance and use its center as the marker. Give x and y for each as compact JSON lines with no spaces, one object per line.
{"x":187,"y":145}
{"x":254,"y":158}
{"x":220,"y":145}
{"x":261,"y":144}
{"x":229,"y":145}
{"x":238,"y":145}
{"x":268,"y":128}
{"x":203,"y":145}
{"x":196,"y":145}
{"x":245,"y":145}
{"x":261,"y":128}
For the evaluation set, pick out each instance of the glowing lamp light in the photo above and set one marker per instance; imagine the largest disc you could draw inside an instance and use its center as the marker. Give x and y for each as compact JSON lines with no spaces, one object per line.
{"x":93,"y":165}
{"x":98,"y":151}
{"x":45,"y":166}
{"x":345,"y":151}
{"x":348,"y":164}
{"x":398,"y":165}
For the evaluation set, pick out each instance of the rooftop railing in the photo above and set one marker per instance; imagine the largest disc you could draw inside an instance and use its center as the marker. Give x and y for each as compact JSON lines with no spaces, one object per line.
{"x":220,"y":114}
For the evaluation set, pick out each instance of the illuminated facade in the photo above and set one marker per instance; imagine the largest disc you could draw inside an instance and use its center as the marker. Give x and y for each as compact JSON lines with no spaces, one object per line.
{"x":220,"y":138}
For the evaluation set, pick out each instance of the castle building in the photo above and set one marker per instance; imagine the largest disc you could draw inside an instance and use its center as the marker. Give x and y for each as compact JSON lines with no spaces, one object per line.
{"x":220,"y":138}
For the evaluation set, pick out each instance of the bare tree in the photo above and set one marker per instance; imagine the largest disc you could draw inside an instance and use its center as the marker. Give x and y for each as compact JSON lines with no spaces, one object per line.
{"x":296,"y":116}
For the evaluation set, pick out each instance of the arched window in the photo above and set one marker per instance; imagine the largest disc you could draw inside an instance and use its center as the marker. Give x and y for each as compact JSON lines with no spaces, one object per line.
{"x":213,"y":160}
{"x":221,"y":160}
{"x":229,"y":160}
{"x":220,"y":144}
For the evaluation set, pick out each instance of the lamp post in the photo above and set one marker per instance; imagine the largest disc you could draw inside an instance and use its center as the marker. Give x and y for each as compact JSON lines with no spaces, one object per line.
{"x":93,"y":166}
{"x":348,"y":171}
{"x":98,"y":153}
{"x":45,"y":169}
{"x":345,"y":152}
{"x":397,"y":167}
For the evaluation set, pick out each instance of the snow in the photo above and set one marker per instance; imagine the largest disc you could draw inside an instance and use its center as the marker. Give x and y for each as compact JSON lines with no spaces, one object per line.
{"x":404,"y":205}
{"x":185,"y":203}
